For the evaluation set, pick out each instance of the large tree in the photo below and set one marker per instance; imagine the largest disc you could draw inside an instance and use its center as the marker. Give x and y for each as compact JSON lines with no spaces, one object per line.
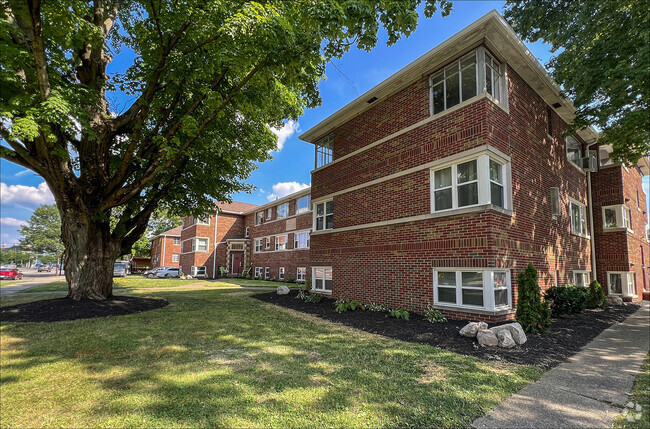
{"x":208,"y":80}
{"x":42,"y":234}
{"x":602,"y":63}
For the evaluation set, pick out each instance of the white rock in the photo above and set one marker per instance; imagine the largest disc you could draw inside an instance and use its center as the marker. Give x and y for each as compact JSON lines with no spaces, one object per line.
{"x":486,"y":337}
{"x":630,"y":404}
{"x":614,"y":300}
{"x":515,"y":329}
{"x":282,"y":290}
{"x":470,"y":330}
{"x":505,"y":339}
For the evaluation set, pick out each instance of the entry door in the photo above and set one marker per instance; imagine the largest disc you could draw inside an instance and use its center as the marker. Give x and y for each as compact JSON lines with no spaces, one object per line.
{"x":237,"y":263}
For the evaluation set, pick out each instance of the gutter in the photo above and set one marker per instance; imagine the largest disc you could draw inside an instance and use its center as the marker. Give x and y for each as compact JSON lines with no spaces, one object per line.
{"x":594,"y":275}
{"x":214,"y":257}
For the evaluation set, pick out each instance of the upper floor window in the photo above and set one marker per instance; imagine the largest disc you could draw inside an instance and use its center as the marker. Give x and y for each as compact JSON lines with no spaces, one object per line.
{"x":247,"y":233}
{"x":283,"y":210}
{"x":303,"y":204}
{"x":324,"y":215}
{"x":618,"y":216}
{"x":478,"y":181}
{"x":473,"y":74}
{"x":258,"y":245}
{"x":301,"y":240}
{"x":324,"y":150}
{"x":175,"y":257}
{"x":267,"y":245}
{"x":573,"y":150}
{"x":578,"y":218}
{"x":200,"y":245}
{"x":269,"y":213}
{"x":259,"y":218}
{"x":281,"y":242}
{"x":177,"y":241}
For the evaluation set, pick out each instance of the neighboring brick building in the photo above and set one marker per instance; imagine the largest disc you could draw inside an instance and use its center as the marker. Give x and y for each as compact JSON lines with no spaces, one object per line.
{"x":166,"y":248}
{"x":439,"y":185}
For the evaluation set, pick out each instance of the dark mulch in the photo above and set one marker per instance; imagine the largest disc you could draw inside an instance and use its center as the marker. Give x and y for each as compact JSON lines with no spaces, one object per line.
{"x":566,"y":336}
{"x":59,"y":309}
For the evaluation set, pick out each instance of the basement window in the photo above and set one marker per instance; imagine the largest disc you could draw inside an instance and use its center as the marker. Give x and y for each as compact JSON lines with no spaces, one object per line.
{"x":472,"y":288}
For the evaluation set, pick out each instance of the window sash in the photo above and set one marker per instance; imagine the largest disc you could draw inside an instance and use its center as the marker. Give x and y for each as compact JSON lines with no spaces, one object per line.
{"x":175,"y":257}
{"x":301,"y":274}
{"x":617,"y":216}
{"x":281,"y":242}
{"x":473,"y":288}
{"x":200,"y":245}
{"x":573,"y":149}
{"x":281,"y":273}
{"x":324,"y":215}
{"x":268,"y":243}
{"x":258,"y":245}
{"x":578,"y":218}
{"x":301,"y":240}
{"x":303,"y":204}
{"x":258,"y":271}
{"x":177,"y":241}
{"x":198,"y":271}
{"x":267,"y":272}
{"x":259,"y":218}
{"x":283,"y":210}
{"x":581,"y":278}
{"x":322,"y":279}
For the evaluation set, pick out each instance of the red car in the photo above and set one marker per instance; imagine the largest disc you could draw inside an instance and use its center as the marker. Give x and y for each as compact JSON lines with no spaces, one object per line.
{"x":10,"y":274}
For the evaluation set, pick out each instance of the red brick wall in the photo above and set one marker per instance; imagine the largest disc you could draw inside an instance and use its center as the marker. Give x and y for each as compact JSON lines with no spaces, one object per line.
{"x":169,"y":248}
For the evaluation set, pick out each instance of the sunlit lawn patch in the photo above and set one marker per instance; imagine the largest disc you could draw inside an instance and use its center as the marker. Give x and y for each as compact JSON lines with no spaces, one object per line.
{"x":4,"y":283}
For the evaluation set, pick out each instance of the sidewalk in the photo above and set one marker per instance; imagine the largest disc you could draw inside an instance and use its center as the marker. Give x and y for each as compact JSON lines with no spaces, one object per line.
{"x":589,"y":390}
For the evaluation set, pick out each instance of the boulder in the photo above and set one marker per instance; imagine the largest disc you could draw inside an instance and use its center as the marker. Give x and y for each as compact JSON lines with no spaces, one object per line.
{"x":515,"y":329}
{"x":471,"y":329}
{"x":282,"y":290}
{"x":613,"y":300}
{"x":486,"y":337}
{"x":505,"y":339}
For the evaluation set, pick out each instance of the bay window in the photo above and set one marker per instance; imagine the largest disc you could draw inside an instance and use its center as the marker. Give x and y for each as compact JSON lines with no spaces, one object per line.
{"x":472,"y":288}
{"x":322,"y":279}
{"x":581,"y":278}
{"x":324,"y":216}
{"x":621,"y":283}
{"x":617,"y":216}
{"x":578,"y":218}
{"x":496,"y":183}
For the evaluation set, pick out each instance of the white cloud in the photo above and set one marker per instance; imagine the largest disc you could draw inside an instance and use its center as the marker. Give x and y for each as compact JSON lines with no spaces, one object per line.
{"x":285,"y":188}
{"x":10,"y":221}
{"x":285,"y":132}
{"x":22,"y":195}
{"x":23,"y":172}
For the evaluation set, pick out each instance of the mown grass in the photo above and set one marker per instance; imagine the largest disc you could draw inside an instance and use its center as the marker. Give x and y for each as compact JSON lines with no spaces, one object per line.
{"x":4,"y":283}
{"x":640,"y":395}
{"x":219,"y":358}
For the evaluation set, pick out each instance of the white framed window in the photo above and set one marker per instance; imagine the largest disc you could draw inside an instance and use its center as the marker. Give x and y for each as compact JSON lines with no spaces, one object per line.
{"x":573,"y":150}
{"x":324,"y":150}
{"x":200,"y":245}
{"x":267,"y":272}
{"x":282,"y":210}
{"x":301,"y":240}
{"x":321,"y":279}
{"x":202,"y":220}
{"x":472,"y":288}
{"x":301,"y":274}
{"x":578,"y":218}
{"x":258,"y":272}
{"x":198,"y":271}
{"x":247,"y":232}
{"x":175,"y":257}
{"x":281,"y":242}
{"x":281,"y":273}
{"x":471,"y":182}
{"x":259,"y":218}
{"x":258,"y":245}
{"x":303,"y":204}
{"x":617,"y":216}
{"x":621,"y":283}
{"x":267,"y":245}
{"x":581,"y":277}
{"x":269,"y":213}
{"x":324,"y":216}
{"x":177,"y":241}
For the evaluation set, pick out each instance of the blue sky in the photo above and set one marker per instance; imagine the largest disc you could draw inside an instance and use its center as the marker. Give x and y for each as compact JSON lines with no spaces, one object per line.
{"x":21,"y":190}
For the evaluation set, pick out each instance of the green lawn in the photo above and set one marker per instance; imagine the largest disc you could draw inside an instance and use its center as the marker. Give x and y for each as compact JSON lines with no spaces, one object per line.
{"x":137,"y":282}
{"x":641,"y":396}
{"x":10,"y":282}
{"x":219,"y":358}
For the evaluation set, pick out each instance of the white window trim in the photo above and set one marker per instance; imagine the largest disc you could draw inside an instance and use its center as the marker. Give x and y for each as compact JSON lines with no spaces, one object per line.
{"x":483,"y":181}
{"x":281,"y":273}
{"x":304,"y":209}
{"x":176,"y":257}
{"x":198,"y":221}
{"x":586,"y":272}
{"x":583,"y":212}
{"x":277,"y":243}
{"x":295,"y":239}
{"x":259,"y":220}
{"x":255,"y":243}
{"x":488,"y":288}
{"x":195,"y":245}
{"x":176,"y":241}
{"x":269,"y":213}
{"x":313,"y":280}
{"x":267,"y":272}
{"x":247,"y":232}
{"x":195,"y":269}
{"x":304,"y":276}
{"x":566,"y":153}
{"x":625,"y":286}
{"x":620,"y":218}
{"x":324,"y":216}
{"x":267,"y":243}
{"x":259,"y":272}
{"x":277,"y":210}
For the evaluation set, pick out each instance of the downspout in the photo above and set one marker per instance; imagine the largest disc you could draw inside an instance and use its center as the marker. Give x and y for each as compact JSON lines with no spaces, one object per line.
{"x":591,"y":224}
{"x":164,"y":238}
{"x":214,"y":257}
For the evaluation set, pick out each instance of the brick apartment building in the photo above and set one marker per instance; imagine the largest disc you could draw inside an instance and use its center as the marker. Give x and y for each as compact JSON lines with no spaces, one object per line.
{"x":166,"y":248}
{"x":439,"y":185}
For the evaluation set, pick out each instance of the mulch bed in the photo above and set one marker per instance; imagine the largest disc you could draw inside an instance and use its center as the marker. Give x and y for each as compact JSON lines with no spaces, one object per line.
{"x":566,"y":336}
{"x":59,"y":309}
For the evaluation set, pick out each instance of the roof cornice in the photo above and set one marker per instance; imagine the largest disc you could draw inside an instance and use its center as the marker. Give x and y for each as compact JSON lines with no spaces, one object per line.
{"x":282,"y":200}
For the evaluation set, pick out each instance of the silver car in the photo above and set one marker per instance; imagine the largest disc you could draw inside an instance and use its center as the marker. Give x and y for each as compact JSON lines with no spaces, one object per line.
{"x":120,"y":269}
{"x":169,"y":272}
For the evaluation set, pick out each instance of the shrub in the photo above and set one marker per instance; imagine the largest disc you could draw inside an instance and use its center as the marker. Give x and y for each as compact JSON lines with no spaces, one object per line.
{"x":289,"y":280}
{"x":399,"y":313}
{"x":301,"y":295}
{"x":313,"y":297}
{"x":533,"y":314}
{"x":433,"y":315}
{"x":307,"y":285}
{"x":376,"y":307}
{"x":567,"y":299}
{"x":272,"y":279}
{"x":343,"y":304}
{"x":596,"y":295}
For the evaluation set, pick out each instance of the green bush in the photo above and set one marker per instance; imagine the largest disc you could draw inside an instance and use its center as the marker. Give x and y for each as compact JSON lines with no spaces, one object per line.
{"x":343,"y":304}
{"x":307,"y":285}
{"x":313,"y":297}
{"x":596,"y":295}
{"x":377,"y":307}
{"x":567,"y":299}
{"x":533,"y":314}
{"x":399,"y":313}
{"x":433,"y":315}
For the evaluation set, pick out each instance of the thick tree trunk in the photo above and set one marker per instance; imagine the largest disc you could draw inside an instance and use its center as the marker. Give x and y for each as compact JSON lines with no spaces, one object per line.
{"x":90,"y":255}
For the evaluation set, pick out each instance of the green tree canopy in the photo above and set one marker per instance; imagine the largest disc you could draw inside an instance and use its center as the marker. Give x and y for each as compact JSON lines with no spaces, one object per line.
{"x":602,"y":63}
{"x":210,"y":78}
{"x":42,"y":234}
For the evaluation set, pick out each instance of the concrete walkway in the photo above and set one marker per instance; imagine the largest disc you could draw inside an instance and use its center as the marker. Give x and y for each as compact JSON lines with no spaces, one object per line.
{"x":589,"y":390}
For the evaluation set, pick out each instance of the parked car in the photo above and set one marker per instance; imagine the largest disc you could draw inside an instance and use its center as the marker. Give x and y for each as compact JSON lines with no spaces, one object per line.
{"x":169,"y":272}
{"x":44,"y":268}
{"x":121,"y":269}
{"x":152,"y":272}
{"x":7,"y":273}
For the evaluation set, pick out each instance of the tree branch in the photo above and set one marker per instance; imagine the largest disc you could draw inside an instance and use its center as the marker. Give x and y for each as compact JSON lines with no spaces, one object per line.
{"x":38,"y":48}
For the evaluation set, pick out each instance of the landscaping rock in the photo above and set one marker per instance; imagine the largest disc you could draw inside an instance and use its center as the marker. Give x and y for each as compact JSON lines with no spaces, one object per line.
{"x":471,"y":329}
{"x":505,"y":339}
{"x":613,"y":300}
{"x":486,"y":337}
{"x":515,"y":329}
{"x":282,"y":290}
